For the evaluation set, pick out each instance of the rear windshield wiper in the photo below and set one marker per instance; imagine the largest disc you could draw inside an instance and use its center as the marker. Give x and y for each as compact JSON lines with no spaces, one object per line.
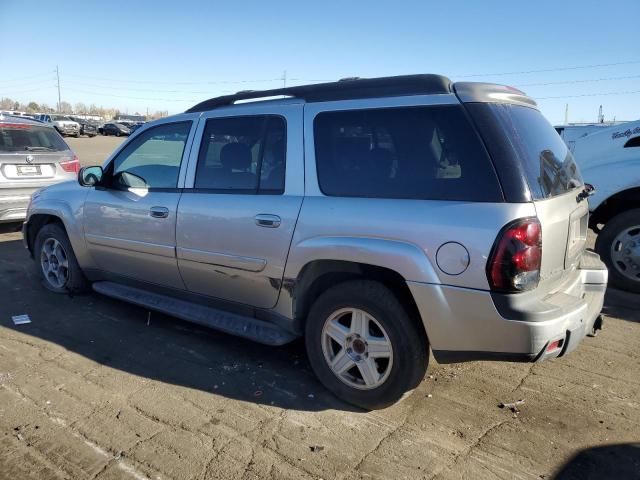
{"x":38,"y":149}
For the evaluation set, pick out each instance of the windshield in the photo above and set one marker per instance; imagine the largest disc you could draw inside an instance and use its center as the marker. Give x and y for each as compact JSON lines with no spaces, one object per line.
{"x":548,"y":164}
{"x":22,"y":137}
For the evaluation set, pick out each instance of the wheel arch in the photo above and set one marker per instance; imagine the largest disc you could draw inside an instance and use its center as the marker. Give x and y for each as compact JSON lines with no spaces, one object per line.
{"x":319,"y":275}
{"x":35,"y":224}
{"x":620,"y":202}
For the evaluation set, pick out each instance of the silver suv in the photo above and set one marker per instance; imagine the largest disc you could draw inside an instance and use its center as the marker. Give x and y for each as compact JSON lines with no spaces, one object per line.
{"x":32,"y":155}
{"x":374,"y":217}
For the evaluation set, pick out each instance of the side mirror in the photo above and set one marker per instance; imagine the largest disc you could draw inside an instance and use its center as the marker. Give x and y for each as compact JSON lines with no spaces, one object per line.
{"x":90,"y":176}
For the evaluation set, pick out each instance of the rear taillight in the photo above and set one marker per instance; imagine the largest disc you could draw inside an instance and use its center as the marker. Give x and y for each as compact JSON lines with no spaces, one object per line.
{"x":514,"y":264}
{"x":71,"y":166}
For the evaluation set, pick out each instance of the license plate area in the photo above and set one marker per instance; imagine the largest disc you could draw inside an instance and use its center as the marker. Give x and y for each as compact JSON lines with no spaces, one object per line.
{"x":577,"y":239}
{"x":28,"y":170}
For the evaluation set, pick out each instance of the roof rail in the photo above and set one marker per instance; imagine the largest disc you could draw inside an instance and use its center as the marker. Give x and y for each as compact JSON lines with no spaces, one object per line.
{"x":345,"y":89}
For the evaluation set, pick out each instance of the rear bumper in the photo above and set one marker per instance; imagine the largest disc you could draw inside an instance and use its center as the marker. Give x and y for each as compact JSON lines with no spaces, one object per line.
{"x":464,"y":324}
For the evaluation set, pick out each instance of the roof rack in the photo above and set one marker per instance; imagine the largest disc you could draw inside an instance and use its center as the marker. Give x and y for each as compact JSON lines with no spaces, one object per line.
{"x":345,"y":89}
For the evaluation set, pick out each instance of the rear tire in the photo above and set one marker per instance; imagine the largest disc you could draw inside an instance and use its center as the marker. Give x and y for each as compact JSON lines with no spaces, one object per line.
{"x":371,"y":366}
{"x":618,"y":244}
{"x":56,"y":263}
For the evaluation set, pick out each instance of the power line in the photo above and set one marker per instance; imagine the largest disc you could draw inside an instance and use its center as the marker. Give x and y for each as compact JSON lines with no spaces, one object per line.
{"x":205,"y":82}
{"x":15,"y":80}
{"x":543,"y":70}
{"x":92,"y":85}
{"x":568,"y":82}
{"x":632,"y":92}
{"x":14,"y":92}
{"x":139,"y":98}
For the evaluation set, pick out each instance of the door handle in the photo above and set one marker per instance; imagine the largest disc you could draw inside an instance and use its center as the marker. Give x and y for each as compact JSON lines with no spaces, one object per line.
{"x":159,"y":212}
{"x":266,"y":220}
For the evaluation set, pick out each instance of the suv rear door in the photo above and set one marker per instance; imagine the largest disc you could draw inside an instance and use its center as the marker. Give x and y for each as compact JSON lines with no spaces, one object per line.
{"x":237,"y":213}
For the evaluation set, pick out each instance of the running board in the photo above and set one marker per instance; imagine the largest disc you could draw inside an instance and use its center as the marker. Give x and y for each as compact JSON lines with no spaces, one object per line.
{"x":231,"y":323}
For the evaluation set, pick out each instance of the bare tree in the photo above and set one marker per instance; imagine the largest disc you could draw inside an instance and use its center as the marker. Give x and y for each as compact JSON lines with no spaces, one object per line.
{"x":65,"y":107}
{"x":6,"y":104}
{"x":80,"y":108}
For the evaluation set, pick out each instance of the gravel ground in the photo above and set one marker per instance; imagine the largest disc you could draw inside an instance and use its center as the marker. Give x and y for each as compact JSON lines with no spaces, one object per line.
{"x":94,"y":388}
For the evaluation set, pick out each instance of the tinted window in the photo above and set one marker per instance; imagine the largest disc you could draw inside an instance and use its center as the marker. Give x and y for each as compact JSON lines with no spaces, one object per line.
{"x":154,"y":156}
{"x":243,"y":154}
{"x":23,"y":137}
{"x":418,"y":152}
{"x":547,"y":162}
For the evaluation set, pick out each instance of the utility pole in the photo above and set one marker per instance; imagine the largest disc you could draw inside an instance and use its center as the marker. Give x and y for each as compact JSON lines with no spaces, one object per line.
{"x":566,"y":114}
{"x":284,"y":79}
{"x":58,"y":77}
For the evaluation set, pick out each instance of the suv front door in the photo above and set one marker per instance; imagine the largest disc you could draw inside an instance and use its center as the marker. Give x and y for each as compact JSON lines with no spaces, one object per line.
{"x":130,"y":220}
{"x":238,"y":211}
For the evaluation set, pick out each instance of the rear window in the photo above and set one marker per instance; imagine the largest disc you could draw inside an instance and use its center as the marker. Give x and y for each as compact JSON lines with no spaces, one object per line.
{"x":547,"y":162}
{"x":429,"y":153}
{"x":24,"y":137}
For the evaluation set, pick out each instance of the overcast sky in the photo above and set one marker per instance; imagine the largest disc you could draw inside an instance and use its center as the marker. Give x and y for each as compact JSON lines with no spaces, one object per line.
{"x":168,"y":55}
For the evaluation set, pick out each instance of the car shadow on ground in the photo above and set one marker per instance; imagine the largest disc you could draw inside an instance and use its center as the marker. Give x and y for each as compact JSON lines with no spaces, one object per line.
{"x":155,"y":346}
{"x":620,"y":461}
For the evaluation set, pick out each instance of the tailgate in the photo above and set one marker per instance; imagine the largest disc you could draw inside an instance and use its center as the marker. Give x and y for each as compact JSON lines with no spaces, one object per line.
{"x":564,"y":223}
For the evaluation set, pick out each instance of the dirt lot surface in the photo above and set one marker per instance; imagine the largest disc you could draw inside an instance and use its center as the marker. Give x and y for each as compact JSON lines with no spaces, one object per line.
{"x":94,"y":151}
{"x":94,"y":388}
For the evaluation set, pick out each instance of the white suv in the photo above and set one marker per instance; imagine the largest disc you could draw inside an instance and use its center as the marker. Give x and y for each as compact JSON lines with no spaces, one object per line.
{"x":63,"y":124}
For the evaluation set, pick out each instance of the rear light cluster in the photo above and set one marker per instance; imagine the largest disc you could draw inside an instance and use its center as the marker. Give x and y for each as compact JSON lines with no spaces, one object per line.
{"x":514,"y":264}
{"x":71,"y":166}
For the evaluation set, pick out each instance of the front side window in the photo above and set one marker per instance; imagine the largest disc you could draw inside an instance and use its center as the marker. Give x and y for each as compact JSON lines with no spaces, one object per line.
{"x":429,"y":153}
{"x":152,"y":159}
{"x":243,"y":155}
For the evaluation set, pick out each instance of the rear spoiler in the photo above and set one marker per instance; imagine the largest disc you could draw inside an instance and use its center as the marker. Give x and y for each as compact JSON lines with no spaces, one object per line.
{"x":469,"y":92}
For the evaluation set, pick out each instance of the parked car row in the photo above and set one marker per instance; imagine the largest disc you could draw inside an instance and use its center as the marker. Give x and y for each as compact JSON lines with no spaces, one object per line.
{"x":75,"y":126}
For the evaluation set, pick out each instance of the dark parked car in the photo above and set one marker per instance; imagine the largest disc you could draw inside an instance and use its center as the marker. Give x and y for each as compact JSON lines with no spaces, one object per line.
{"x":116,"y":129}
{"x":87,"y":127}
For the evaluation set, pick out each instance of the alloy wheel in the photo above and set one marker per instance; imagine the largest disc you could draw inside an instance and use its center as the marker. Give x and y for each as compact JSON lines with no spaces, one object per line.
{"x":357,"y":348}
{"x":54,"y":263}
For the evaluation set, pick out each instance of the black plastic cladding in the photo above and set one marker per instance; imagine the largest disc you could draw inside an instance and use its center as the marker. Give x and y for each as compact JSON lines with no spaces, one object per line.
{"x":349,"y":89}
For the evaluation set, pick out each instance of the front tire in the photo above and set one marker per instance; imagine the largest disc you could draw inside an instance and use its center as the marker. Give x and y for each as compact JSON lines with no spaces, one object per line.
{"x":56,"y":262}
{"x":364,"y":346}
{"x":618,"y":244}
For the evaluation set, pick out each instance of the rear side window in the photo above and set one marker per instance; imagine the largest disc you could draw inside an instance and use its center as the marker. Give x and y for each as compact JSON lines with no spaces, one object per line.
{"x":23,"y":137}
{"x":429,"y":153}
{"x":546,"y":161}
{"x":243,"y":155}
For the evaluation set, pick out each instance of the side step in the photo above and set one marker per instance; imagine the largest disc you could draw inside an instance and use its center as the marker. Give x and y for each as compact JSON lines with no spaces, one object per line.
{"x":231,"y":323}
